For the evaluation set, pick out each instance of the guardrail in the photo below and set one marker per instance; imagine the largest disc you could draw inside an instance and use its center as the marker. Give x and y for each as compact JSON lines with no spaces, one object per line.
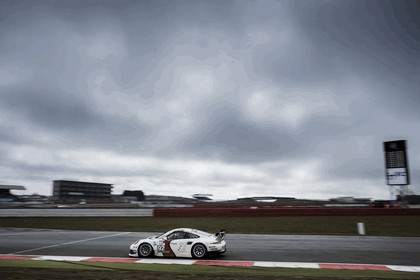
{"x":76,"y":212}
{"x":260,"y":212}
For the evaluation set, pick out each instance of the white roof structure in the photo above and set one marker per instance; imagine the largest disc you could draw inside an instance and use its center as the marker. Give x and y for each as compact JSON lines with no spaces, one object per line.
{"x":12,"y":187}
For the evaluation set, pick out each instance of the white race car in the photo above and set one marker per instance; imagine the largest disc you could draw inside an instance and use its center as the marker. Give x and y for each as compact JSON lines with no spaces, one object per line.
{"x":180,"y":242}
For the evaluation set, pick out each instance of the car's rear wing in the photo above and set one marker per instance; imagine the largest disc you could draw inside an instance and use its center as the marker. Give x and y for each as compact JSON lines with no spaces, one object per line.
{"x":221,"y":234}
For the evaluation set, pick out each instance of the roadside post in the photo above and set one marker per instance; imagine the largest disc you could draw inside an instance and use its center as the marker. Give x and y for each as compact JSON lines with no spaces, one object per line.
{"x":361,"y":228}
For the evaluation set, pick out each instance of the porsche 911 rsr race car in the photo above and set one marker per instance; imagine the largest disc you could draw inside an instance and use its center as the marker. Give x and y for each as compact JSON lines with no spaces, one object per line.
{"x":180,"y":242}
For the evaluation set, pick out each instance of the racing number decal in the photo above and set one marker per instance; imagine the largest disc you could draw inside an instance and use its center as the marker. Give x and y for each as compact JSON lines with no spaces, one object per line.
{"x":160,"y":246}
{"x":181,"y":244}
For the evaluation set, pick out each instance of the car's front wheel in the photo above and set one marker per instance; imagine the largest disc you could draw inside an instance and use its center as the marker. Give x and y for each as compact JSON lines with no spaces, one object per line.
{"x":145,"y":250}
{"x":199,"y":251}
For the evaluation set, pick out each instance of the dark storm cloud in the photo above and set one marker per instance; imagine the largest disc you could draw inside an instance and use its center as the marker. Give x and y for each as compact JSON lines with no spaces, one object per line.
{"x":372,"y":32}
{"x":226,"y":135}
{"x":376,"y":40}
{"x":8,"y":134}
{"x":53,"y":110}
{"x":43,"y":45}
{"x":48,"y":107}
{"x":379,"y":40}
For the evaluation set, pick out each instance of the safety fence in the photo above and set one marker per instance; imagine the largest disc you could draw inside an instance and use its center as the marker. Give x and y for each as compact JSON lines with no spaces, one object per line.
{"x":255,"y":211}
{"x":76,"y":212}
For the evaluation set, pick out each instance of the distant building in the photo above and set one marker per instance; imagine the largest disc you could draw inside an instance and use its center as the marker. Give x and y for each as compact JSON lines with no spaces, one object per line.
{"x":410,"y":199}
{"x":153,"y":201}
{"x":202,"y":196}
{"x":133,"y":195}
{"x":76,"y":192}
{"x":6,"y":196}
{"x":350,"y":199}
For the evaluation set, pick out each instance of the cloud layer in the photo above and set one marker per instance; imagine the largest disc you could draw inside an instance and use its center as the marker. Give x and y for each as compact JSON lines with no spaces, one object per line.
{"x":234,"y":98}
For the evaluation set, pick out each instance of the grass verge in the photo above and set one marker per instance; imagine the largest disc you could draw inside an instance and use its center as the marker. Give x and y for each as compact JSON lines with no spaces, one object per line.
{"x":325,"y":225}
{"x":33,"y":270}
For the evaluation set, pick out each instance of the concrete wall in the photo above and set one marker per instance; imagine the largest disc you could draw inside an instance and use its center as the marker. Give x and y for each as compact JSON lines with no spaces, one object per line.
{"x":261,"y":212}
{"x":76,"y":212}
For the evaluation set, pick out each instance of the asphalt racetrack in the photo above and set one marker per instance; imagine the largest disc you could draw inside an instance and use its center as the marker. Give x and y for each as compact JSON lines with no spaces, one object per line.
{"x":244,"y":247}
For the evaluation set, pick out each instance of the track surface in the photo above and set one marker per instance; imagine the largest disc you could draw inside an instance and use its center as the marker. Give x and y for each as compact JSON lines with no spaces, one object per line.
{"x":283,"y":248}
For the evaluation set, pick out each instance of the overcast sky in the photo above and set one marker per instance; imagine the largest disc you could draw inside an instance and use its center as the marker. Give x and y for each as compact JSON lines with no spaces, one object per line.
{"x":230,"y":98}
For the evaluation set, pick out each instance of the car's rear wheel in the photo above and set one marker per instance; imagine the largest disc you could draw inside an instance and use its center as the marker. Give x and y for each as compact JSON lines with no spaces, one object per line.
{"x":145,"y":250}
{"x":199,"y":251}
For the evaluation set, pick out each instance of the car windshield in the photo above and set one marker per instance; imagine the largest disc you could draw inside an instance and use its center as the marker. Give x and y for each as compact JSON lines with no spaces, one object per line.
{"x":160,"y":235}
{"x":163,"y":234}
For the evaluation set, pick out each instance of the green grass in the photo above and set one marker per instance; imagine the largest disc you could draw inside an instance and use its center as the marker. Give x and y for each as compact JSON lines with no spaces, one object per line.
{"x":328,"y":225}
{"x":112,"y":271}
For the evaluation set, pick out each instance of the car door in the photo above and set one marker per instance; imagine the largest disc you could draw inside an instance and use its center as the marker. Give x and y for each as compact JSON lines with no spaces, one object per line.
{"x":177,"y":243}
{"x":183,"y":245}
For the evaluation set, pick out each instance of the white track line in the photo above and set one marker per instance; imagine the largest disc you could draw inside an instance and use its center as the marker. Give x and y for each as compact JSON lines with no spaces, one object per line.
{"x":168,"y":261}
{"x":68,"y":243}
{"x":286,"y":264}
{"x":30,"y":250}
{"x":95,"y":238}
{"x":61,"y":258}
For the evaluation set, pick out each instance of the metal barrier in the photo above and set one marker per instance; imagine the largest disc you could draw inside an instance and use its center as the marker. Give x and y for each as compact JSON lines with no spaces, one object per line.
{"x":86,"y":212}
{"x":260,"y":212}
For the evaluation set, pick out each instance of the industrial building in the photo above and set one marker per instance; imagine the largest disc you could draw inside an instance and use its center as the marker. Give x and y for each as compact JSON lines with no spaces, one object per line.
{"x":76,"y":192}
